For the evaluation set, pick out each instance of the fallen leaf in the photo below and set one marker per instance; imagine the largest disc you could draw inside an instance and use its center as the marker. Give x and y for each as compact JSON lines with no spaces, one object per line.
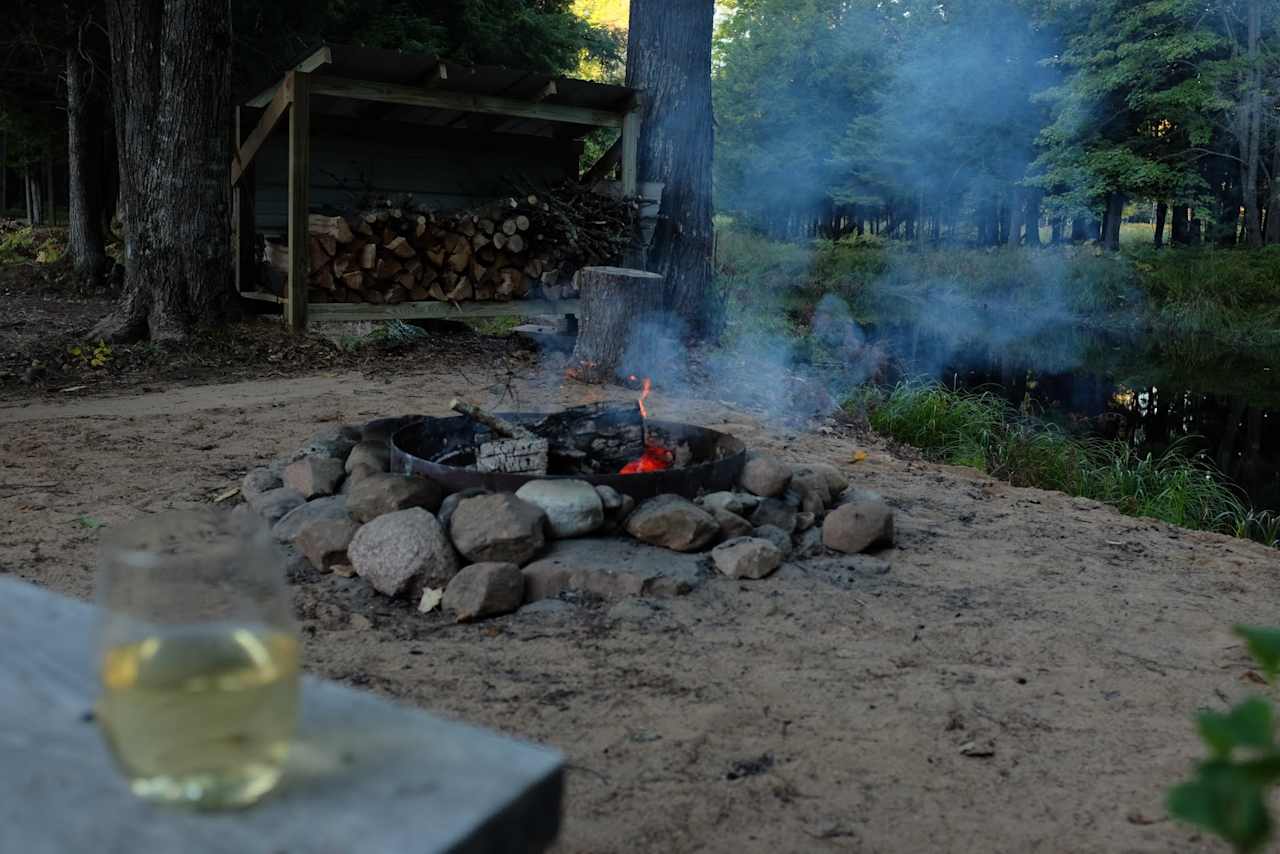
{"x":1253,"y":676}
{"x":1139,"y":818}
{"x":230,"y":493}
{"x":90,"y":522}
{"x":858,"y":456}
{"x":431,"y":598}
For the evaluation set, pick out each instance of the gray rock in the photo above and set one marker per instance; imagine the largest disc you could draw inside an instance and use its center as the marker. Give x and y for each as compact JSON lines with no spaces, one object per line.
{"x":738,"y":503}
{"x":775,"y":535}
{"x":573,"y":507}
{"x":401,"y":553}
{"x":805,"y":521}
{"x":765,"y":475}
{"x":812,"y":491}
{"x":610,"y":567}
{"x":331,"y":507}
{"x":808,"y":544}
{"x":746,"y":557}
{"x":484,"y":590}
{"x":314,"y":476}
{"x":376,"y":455}
{"x":500,"y":527}
{"x":731,"y":524}
{"x":376,"y":494}
{"x":773,"y":511}
{"x":837,"y":481}
{"x":635,"y":610}
{"x":672,"y":522}
{"x":356,"y":475}
{"x":451,"y":503}
{"x":274,"y":504}
{"x":855,"y":494}
{"x":858,"y":526}
{"x":258,"y":481}
{"x":548,"y":608}
{"x":610,"y":498}
{"x":325,"y":541}
{"x":335,"y":442}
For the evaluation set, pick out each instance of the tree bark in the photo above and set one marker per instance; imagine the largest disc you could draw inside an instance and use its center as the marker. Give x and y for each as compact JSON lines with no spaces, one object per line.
{"x":1031,"y":216}
{"x":1179,"y":228}
{"x":620,"y":320}
{"x":669,"y":57}
{"x":171,"y":75}
{"x":1272,"y":235}
{"x":84,"y":158}
{"x":1013,"y":229}
{"x":1162,"y":211}
{"x":1250,"y":126}
{"x":1115,"y":210}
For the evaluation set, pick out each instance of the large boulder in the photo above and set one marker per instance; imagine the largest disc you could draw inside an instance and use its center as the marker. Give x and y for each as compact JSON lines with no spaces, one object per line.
{"x":401,"y":553}
{"x":376,"y":494}
{"x":314,"y":476}
{"x":765,"y":475}
{"x":484,"y":590}
{"x":335,"y":442}
{"x":331,"y":507}
{"x":858,"y":526}
{"x":731,"y":524}
{"x":746,"y":557}
{"x":573,"y":507}
{"x":501,"y":527}
{"x":612,"y":568}
{"x":737,"y":503}
{"x":376,"y":455}
{"x":672,"y":522}
{"x":324,"y":542}
{"x":809,"y":492}
{"x":775,"y":535}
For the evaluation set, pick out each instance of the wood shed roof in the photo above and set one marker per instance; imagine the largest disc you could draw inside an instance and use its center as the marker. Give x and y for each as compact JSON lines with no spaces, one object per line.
{"x":361,"y":83}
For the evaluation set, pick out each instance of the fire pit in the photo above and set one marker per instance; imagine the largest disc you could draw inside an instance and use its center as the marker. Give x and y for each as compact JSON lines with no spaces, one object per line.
{"x":700,"y":460}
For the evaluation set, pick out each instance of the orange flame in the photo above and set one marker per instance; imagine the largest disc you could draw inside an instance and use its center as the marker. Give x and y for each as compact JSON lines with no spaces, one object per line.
{"x":655,"y":457}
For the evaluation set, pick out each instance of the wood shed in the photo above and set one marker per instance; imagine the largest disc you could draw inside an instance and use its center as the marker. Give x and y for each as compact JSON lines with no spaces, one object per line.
{"x":352,"y":120}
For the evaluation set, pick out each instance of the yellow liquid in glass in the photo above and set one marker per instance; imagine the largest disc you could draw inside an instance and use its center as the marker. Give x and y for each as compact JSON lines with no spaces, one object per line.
{"x":202,"y":716}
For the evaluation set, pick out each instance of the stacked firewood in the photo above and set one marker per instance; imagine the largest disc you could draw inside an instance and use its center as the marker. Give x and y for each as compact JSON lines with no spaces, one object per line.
{"x":517,"y":247}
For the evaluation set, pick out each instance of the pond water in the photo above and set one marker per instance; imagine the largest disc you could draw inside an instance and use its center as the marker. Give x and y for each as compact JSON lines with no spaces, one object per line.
{"x":1147,"y":390}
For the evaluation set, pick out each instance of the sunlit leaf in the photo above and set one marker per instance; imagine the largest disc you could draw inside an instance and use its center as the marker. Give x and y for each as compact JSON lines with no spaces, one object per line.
{"x":1264,"y":646}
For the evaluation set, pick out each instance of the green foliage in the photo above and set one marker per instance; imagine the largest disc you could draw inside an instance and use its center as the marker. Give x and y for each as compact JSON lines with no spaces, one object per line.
{"x":981,"y":430}
{"x":1229,"y":792}
{"x":91,"y":355}
{"x":17,"y":245}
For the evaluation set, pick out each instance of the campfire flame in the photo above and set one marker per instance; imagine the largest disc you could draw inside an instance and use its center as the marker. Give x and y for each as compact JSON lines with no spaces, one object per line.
{"x":655,"y":457}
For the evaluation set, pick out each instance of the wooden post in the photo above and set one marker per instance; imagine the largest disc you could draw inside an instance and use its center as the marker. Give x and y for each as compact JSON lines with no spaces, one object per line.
{"x":630,"y":143}
{"x":299,"y":200}
{"x":616,"y":338}
{"x":245,"y":222}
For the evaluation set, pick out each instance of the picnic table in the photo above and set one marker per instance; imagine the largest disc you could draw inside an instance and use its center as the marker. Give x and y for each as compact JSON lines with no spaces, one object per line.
{"x":365,"y":775}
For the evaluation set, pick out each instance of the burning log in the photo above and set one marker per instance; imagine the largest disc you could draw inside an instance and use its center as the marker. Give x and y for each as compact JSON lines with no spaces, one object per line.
{"x":616,"y":303}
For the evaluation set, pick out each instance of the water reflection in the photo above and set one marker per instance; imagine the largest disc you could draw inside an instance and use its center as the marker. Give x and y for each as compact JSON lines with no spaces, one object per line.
{"x":1145,"y":390}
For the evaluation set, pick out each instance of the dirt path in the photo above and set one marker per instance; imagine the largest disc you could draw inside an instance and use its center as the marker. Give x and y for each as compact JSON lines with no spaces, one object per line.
{"x":827,"y":708}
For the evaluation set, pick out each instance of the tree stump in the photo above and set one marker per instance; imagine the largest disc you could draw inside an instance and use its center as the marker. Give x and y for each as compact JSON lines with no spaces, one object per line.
{"x":619,"y":308}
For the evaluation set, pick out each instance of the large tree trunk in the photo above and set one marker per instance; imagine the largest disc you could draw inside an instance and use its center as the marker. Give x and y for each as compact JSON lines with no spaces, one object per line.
{"x":1180,"y":227}
{"x":1162,"y":211}
{"x":669,"y":57}
{"x":1013,"y":231}
{"x":84,"y":153}
{"x":1031,"y":216}
{"x":1250,"y":126}
{"x":1273,"y":203}
{"x":171,"y":75}
{"x":1115,"y":211}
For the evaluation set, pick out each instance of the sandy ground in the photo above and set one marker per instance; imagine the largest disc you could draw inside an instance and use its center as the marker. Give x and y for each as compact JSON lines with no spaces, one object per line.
{"x":831,"y":707}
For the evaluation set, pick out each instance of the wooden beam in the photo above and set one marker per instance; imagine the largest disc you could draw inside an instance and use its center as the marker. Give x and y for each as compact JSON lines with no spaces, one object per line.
{"x":604,"y":165}
{"x":329,"y":311}
{"x":412,"y":96}
{"x":263,"y":296}
{"x":630,"y":140}
{"x":543,"y":92}
{"x":437,"y":75}
{"x":320,"y":57}
{"x":299,"y":200}
{"x":275,"y":109}
{"x":245,"y":222}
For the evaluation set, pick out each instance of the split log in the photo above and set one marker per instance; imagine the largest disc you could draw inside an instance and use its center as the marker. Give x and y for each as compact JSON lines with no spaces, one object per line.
{"x":597,"y":438}
{"x":522,"y":222}
{"x":515,"y":243}
{"x":335,"y":227}
{"x":401,"y":248}
{"x":617,"y":303}
{"x":514,"y":456}
{"x":368,"y":256}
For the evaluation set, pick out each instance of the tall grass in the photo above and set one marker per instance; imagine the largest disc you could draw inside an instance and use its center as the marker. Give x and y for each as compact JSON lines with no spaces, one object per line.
{"x":980,"y":429}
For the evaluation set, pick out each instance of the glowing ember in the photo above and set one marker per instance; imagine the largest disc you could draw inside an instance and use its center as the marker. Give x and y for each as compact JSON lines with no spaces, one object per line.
{"x":655,"y":457}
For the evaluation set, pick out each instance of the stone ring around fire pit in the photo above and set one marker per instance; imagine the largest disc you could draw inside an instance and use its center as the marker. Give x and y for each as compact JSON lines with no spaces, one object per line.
{"x":441,"y":448}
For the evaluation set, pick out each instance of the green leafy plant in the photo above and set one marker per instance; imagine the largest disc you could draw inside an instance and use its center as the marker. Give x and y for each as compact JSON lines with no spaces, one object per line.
{"x":1228,"y":794}
{"x":91,"y":355}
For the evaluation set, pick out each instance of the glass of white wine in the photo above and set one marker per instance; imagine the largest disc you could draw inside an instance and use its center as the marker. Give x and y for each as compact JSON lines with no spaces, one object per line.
{"x":198,"y":656}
